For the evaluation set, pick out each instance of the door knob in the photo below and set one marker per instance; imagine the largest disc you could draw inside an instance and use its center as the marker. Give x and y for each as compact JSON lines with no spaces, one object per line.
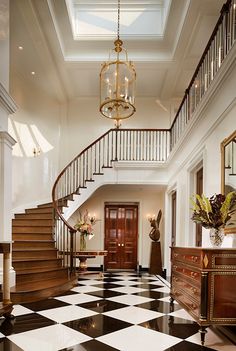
{"x":118,"y":244}
{"x":122,"y":244}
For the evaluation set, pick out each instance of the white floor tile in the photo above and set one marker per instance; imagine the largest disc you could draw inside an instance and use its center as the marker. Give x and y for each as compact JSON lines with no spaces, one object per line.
{"x":133,"y":314}
{"x":213,"y":339}
{"x":181,"y":314}
{"x":163,"y":290}
{"x":19,"y":310}
{"x":50,"y":338}
{"x":86,"y":289}
{"x":67,"y":313}
{"x":130,"y":299}
{"x":77,"y":298}
{"x":136,"y":338}
{"x":167,"y":299}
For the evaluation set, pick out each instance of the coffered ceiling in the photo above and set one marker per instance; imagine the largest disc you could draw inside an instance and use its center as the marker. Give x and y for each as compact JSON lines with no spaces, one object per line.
{"x":65,"y":41}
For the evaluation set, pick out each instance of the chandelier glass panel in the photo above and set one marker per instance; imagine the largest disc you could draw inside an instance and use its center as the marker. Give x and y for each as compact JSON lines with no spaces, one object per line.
{"x":117,"y":82}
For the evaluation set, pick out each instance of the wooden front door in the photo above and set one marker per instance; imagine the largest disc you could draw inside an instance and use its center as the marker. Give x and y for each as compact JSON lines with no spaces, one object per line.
{"x":121,"y":234}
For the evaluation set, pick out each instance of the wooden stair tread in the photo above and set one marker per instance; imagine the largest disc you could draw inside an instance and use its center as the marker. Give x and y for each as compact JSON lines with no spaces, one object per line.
{"x":38,"y":285}
{"x":33,"y":241}
{"x":39,"y":270}
{"x":35,"y":259}
{"x":34,"y":249}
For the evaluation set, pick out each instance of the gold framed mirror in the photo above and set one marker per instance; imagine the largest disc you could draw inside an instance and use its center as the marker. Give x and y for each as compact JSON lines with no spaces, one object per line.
{"x":228,"y":173}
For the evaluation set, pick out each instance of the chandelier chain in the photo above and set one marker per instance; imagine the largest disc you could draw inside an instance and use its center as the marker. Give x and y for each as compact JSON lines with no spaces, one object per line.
{"x":118,"y":21}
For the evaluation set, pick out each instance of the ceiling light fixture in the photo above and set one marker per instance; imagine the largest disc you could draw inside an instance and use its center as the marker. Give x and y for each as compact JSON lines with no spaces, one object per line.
{"x":117,"y":82}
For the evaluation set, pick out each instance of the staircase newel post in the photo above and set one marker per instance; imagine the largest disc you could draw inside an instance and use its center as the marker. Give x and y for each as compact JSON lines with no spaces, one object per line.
{"x":72,"y":267}
{"x":116,"y":146}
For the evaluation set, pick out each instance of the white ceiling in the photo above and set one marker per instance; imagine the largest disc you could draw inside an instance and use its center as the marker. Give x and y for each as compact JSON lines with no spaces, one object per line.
{"x":66,"y":68}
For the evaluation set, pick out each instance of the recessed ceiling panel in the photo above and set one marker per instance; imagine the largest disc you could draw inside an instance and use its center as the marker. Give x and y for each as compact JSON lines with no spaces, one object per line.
{"x":98,"y":19}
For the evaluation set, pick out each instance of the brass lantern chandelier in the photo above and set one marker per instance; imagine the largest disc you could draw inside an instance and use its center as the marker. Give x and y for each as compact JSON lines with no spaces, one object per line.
{"x":117,"y":82}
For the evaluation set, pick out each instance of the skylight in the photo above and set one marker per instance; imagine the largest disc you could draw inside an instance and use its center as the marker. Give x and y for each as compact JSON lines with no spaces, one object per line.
{"x":97,"y":19}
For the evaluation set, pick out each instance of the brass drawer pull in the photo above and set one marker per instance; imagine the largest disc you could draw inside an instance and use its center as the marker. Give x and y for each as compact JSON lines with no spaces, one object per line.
{"x":194,"y":258}
{"x":193,"y":306}
{"x":176,"y":255}
{"x":194,"y":290}
{"x":176,"y":279}
{"x":193,"y":274}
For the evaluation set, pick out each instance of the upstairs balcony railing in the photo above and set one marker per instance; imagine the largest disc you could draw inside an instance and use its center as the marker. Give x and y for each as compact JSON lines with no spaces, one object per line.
{"x":218,"y":47}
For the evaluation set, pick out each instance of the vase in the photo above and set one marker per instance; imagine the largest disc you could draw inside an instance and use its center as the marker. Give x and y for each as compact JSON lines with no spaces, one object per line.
{"x":216,"y":236}
{"x":82,"y":242}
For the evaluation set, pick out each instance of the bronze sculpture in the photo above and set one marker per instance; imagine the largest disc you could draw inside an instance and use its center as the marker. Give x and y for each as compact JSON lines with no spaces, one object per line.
{"x":155,"y":232}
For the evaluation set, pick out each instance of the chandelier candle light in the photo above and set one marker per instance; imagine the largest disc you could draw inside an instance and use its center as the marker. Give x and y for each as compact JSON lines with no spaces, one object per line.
{"x":117,"y":83}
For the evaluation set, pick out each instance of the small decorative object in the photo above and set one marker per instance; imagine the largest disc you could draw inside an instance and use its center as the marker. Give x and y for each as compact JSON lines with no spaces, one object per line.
{"x":85,"y":227}
{"x":155,"y":232}
{"x":213,"y":213}
{"x":155,"y":256}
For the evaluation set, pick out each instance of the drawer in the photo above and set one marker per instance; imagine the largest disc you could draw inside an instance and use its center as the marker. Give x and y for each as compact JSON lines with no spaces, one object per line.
{"x":187,"y":271}
{"x":191,"y":289}
{"x":189,"y":258}
{"x":191,"y":306}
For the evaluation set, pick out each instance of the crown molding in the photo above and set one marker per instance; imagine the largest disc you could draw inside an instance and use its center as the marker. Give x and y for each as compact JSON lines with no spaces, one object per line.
{"x":6,"y":101}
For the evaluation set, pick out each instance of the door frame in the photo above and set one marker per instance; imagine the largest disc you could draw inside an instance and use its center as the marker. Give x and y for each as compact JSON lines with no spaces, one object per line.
{"x":124,"y":203}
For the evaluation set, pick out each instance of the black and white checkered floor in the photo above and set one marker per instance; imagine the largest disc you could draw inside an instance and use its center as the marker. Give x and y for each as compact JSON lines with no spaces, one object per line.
{"x":121,"y":311}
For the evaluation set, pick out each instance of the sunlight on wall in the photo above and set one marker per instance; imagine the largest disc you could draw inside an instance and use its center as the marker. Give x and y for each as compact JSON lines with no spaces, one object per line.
{"x":28,"y":138}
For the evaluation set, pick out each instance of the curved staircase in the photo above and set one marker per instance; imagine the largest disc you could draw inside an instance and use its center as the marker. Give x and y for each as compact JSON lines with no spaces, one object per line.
{"x":40,"y":272}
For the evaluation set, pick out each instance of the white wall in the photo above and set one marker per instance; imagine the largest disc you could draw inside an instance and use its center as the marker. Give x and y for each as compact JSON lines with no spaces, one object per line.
{"x":36,"y":124}
{"x":85,"y":122}
{"x":213,"y":122}
{"x":150,"y":200}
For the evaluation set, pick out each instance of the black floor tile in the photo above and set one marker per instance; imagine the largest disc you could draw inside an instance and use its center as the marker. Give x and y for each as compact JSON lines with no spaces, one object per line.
{"x":148,"y":286}
{"x":152,"y":294}
{"x":24,"y":323}
{"x":160,"y":306}
{"x":92,"y":345}
{"x":181,"y":328}
{"x":101,"y":306}
{"x":45,"y":304}
{"x":188,"y":346}
{"x":7,"y":345}
{"x":97,"y":325}
{"x":105,"y":293}
{"x":107,"y":285}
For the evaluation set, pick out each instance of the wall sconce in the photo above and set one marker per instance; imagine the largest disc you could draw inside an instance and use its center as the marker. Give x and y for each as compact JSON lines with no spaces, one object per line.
{"x":92,"y":218}
{"x":151,"y":217}
{"x":36,"y":151}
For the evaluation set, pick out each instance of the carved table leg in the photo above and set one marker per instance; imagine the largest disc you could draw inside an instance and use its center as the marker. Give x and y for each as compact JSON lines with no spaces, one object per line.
{"x":203,"y":332}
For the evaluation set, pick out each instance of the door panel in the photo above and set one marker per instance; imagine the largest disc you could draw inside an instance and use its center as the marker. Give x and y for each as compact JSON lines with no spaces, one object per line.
{"x":199,"y":190}
{"x":121,"y":231}
{"x":173,"y":219}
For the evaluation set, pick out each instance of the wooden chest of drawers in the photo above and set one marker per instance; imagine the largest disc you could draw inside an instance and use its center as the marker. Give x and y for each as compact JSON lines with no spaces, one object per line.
{"x":203,"y":281}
